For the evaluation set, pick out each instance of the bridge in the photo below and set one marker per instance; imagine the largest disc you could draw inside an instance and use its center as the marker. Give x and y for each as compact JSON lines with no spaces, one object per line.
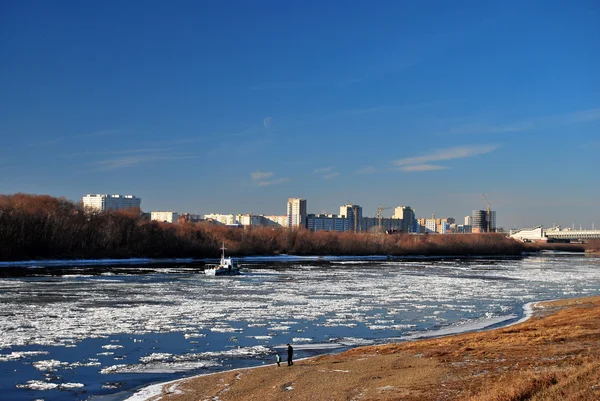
{"x":553,"y":234}
{"x":572,"y":234}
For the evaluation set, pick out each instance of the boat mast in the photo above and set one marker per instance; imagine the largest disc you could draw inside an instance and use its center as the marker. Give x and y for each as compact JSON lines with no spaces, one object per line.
{"x":223,"y":254}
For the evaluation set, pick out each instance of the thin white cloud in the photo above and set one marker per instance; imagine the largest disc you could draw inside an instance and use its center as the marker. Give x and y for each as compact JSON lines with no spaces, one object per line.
{"x":130,"y":161}
{"x":422,"y":167}
{"x":265,"y":86}
{"x":260,"y":175}
{"x":143,"y":150}
{"x":590,"y":144}
{"x":494,"y":129}
{"x":580,"y":116}
{"x":47,"y":142}
{"x":367,"y":170}
{"x":457,"y":152}
{"x":273,"y":182}
{"x":322,"y":170}
{"x":105,"y":132}
{"x":585,"y":115}
{"x":329,"y":176}
{"x":85,"y":135}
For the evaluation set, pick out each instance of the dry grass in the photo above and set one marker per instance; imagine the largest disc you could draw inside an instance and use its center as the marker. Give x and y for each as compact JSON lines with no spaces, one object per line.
{"x":553,"y":356}
{"x":572,"y":383}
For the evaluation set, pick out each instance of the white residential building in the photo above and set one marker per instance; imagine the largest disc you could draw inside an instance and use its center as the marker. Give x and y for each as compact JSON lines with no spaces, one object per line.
{"x":104,"y":202}
{"x":167,"y":217}
{"x":279,"y":221}
{"x":247,"y":219}
{"x":296,"y":212}
{"x":430,"y":226}
{"x":251,"y":219}
{"x":407,"y":215}
{"x":226,"y":219}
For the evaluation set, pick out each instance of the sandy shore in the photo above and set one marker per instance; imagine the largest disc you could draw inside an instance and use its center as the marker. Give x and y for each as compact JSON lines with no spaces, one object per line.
{"x":555,"y":355}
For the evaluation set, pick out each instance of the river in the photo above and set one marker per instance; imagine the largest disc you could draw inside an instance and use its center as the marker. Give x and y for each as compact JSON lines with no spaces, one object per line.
{"x":98,"y":331}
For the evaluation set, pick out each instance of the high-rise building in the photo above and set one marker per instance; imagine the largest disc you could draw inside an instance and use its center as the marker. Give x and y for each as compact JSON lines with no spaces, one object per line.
{"x":407,"y":214}
{"x":104,"y":202}
{"x":296,"y":212}
{"x":353,"y":213}
{"x":482,"y":222}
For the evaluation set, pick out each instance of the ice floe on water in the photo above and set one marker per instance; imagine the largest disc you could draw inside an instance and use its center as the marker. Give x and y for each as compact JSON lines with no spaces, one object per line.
{"x":13,"y":356}
{"x":261,"y":338}
{"x":44,"y":385}
{"x":91,"y":262}
{"x":112,"y":346}
{"x":162,"y":367}
{"x":352,"y":341}
{"x":158,"y":321}
{"x":462,"y":327}
{"x":50,"y":364}
{"x":194,"y":335}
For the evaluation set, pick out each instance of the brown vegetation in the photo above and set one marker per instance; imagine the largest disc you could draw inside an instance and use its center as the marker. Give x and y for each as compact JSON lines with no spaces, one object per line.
{"x":555,"y":246}
{"x":553,"y":356}
{"x":593,"y":246}
{"x":43,"y":227}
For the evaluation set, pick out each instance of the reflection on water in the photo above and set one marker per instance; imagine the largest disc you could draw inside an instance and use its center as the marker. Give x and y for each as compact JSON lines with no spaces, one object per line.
{"x":70,"y":332}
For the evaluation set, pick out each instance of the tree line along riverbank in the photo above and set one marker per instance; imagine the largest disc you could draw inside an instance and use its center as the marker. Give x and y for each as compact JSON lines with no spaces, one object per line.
{"x":45,"y":227}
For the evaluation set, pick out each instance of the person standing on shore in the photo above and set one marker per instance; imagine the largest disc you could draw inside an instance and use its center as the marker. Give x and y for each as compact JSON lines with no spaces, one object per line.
{"x":290,"y":355}
{"x":278,"y":360}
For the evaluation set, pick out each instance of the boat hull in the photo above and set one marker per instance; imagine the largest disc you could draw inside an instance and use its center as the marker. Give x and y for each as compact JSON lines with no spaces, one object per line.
{"x":221,"y":272}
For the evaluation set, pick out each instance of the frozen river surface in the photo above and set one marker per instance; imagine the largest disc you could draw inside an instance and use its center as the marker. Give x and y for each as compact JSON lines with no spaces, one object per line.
{"x":100,"y":331}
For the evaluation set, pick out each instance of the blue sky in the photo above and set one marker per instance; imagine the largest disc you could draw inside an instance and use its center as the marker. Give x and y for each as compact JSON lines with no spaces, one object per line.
{"x":232,"y":107}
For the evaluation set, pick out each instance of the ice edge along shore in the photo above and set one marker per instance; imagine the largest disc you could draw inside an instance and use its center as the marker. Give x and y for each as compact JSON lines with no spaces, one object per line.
{"x":154,"y":390}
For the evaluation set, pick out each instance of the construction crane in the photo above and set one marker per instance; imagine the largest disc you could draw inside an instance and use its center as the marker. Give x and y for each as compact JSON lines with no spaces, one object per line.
{"x":488,"y":215}
{"x":355,"y":217}
{"x":379,"y":210}
{"x":354,"y":209}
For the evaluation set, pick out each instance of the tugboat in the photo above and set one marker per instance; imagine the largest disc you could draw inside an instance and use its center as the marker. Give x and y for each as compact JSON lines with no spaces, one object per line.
{"x":225,"y":268}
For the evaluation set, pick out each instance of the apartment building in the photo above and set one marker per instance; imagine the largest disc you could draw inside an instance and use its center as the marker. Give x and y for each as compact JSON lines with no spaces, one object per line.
{"x":407,"y":215}
{"x":167,"y":217}
{"x":296,"y":212}
{"x":103,"y":202}
{"x":327,"y":222}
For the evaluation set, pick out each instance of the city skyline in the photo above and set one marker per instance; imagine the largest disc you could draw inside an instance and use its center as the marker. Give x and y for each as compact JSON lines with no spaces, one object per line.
{"x":223,"y":109}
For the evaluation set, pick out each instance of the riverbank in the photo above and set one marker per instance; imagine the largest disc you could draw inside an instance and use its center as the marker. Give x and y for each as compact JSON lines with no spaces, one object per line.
{"x":553,"y":355}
